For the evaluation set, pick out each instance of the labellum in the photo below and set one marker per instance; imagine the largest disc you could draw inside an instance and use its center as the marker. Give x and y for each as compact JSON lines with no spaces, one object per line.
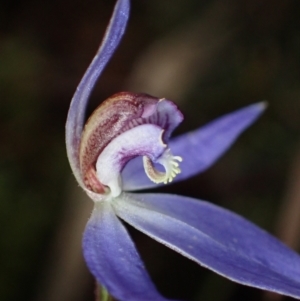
{"x":125,"y":126}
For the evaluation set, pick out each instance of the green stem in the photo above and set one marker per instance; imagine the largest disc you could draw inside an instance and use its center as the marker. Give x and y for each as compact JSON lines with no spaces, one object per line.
{"x":102,"y":294}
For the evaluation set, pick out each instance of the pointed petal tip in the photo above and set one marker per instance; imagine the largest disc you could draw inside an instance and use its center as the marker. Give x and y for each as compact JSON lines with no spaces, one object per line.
{"x":253,"y":112}
{"x":258,"y":108}
{"x":262,"y":106}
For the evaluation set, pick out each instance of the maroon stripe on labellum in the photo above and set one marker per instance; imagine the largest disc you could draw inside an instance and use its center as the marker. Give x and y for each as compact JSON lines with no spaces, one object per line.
{"x":115,"y":115}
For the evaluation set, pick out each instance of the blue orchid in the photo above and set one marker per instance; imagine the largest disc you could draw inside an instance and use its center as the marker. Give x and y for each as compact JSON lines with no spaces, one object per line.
{"x":126,"y":146}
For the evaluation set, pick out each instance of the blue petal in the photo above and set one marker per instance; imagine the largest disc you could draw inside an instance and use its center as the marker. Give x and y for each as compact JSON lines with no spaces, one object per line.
{"x":113,"y":260}
{"x":76,"y":115}
{"x":215,"y":238}
{"x":199,"y":149}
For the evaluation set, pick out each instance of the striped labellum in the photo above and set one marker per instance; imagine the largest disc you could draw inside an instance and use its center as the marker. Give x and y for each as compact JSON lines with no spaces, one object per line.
{"x":125,"y":126}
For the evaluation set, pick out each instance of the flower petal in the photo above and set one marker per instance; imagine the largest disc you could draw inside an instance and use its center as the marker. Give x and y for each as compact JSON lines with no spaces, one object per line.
{"x":112,"y":258}
{"x":76,"y":115}
{"x":215,"y":238}
{"x":199,"y":149}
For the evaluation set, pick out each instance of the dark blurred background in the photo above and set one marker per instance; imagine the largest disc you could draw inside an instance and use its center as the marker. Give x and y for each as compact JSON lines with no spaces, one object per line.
{"x":210,"y":57}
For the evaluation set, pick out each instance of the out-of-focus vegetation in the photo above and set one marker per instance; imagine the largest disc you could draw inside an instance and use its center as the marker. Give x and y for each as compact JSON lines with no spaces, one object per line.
{"x":210,"y":57}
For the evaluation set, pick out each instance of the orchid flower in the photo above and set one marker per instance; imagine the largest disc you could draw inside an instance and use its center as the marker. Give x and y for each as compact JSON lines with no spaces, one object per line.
{"x":126,"y":146}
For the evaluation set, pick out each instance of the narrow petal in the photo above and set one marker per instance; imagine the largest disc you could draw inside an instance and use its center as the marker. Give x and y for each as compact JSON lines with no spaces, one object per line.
{"x":113,"y":260}
{"x":215,"y":238}
{"x":199,"y":149}
{"x":75,"y":119}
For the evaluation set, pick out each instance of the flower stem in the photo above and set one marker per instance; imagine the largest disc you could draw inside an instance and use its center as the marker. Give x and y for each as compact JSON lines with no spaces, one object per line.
{"x":102,"y":294}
